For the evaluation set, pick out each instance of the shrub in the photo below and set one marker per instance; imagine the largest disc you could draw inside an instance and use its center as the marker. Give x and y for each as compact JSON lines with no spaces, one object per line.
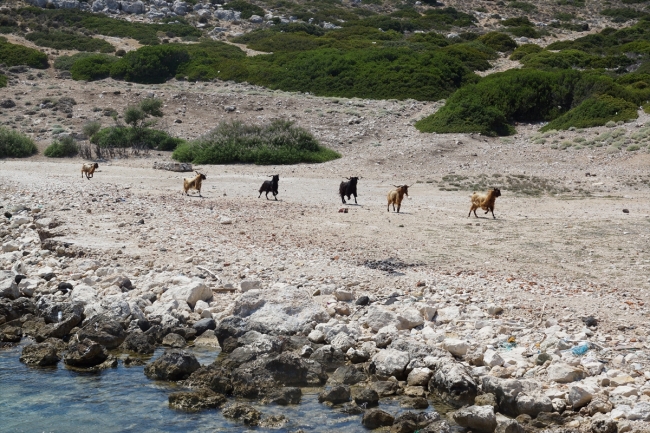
{"x":65,"y":147}
{"x":91,"y":68}
{"x":247,"y":9}
{"x":524,"y":31}
{"x":277,"y":143}
{"x":117,"y":137}
{"x":498,"y":41}
{"x":69,"y":41}
{"x":65,"y":63}
{"x":15,"y":145}
{"x":14,"y":55}
{"x":595,"y":111}
{"x":524,"y":50}
{"x":621,"y":15}
{"x":3,"y":81}
{"x":526,"y":7}
{"x":150,"y":65}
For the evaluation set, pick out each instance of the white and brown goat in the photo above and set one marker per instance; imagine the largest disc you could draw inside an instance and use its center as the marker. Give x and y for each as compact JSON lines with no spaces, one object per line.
{"x":194,"y":183}
{"x":484,"y":201}
{"x":89,"y":170}
{"x":396,"y":196}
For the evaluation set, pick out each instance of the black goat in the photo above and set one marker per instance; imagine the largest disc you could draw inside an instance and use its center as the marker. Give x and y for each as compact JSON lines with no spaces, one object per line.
{"x":270,"y":186}
{"x":349,"y":188}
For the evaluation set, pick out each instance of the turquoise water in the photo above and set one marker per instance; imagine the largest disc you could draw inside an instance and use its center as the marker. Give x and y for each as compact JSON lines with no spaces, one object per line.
{"x":122,"y":399}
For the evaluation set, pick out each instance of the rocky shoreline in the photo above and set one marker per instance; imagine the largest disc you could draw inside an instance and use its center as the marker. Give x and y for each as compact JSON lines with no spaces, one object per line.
{"x":358,"y":345}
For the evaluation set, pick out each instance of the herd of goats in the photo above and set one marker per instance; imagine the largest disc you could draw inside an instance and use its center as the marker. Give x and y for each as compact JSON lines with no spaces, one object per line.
{"x":347,"y":189}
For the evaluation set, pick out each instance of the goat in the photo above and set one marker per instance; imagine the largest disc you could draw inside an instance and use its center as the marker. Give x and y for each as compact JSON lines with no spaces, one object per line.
{"x":349,"y":188}
{"x":270,"y":186}
{"x":484,"y":201}
{"x":194,"y":183}
{"x":396,"y":196}
{"x":89,"y":170}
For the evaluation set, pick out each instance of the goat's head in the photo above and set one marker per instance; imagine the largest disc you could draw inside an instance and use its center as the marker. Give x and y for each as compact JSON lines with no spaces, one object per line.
{"x":275,"y":178}
{"x":403,"y":188}
{"x":353,"y":180}
{"x":95,"y":165}
{"x":497,"y":192}
{"x":200,"y":175}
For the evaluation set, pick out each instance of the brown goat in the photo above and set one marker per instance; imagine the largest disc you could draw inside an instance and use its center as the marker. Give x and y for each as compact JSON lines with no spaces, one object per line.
{"x":89,"y":170}
{"x":194,"y":183}
{"x":396,"y":196}
{"x":484,"y":201}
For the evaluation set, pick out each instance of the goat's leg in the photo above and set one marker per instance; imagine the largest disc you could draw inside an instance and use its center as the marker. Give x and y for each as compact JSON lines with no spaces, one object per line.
{"x":275,"y":196}
{"x":399,"y":205}
{"x":260,"y":194}
{"x":267,"y":195}
{"x":388,"y":207}
{"x":355,"y":199}
{"x":475,"y":213}
{"x":343,"y":199}
{"x":493,"y":213}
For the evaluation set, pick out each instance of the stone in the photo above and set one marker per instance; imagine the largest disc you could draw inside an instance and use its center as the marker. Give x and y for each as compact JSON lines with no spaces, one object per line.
{"x":213,"y":377}
{"x":447,"y":314}
{"x":256,"y":19}
{"x":243,"y":413}
{"x":493,"y":310}
{"x":343,"y":295}
{"x":285,"y":396}
{"x":247,"y":285}
{"x":454,"y":382}
{"x":640,"y":411}
{"x":477,"y":418}
{"x":174,"y":340}
{"x":9,"y":289}
{"x":385,"y":388}
{"x":347,"y":375}
{"x":391,"y":362}
{"x":409,"y":318}
{"x":196,"y":400}
{"x":603,"y":425}
{"x":190,"y":293}
{"x":101,"y":329}
{"x":488,"y":399}
{"x":139,"y":342}
{"x":365,"y":396}
{"x":378,"y":317}
{"x":204,"y":325}
{"x":492,"y":359}
{"x":579,"y":395}
{"x":456,"y":347}
{"x":506,"y":392}
{"x":41,"y":354}
{"x":375,"y":418}
{"x":533,"y":404}
{"x":7,"y":103}
{"x":414,"y":402}
{"x":172,"y":365}
{"x":419,"y":377}
{"x":85,"y":353}
{"x":508,"y":425}
{"x":624,"y":391}
{"x":335,"y":394}
{"x":316,"y":336}
{"x":564,"y":373}
{"x":343,"y":342}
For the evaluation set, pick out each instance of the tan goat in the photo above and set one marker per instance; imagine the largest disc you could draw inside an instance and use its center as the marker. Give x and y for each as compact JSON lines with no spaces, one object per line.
{"x":484,"y":201}
{"x":194,"y":183}
{"x":396,"y":196}
{"x":89,"y":170}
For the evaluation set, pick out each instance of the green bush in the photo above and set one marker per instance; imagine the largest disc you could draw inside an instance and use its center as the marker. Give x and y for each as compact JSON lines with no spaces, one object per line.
{"x":146,"y":34}
{"x":621,"y":15}
{"x":490,"y":106}
{"x":524,"y":6}
{"x":125,"y":137}
{"x":15,"y":145}
{"x":69,"y":41}
{"x":63,"y":148}
{"x":247,"y":9}
{"x":91,"y":68}
{"x":65,"y":63}
{"x":277,"y":143}
{"x":596,"y":111}
{"x":524,"y":50}
{"x":14,"y":55}
{"x":498,"y":41}
{"x":150,"y":65}
{"x":3,"y":81}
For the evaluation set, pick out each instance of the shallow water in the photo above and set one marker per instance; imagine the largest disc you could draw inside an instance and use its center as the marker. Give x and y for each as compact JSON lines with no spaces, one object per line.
{"x":122,"y":399}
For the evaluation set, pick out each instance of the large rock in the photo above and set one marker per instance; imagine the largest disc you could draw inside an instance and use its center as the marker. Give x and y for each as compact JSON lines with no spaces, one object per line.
{"x":174,"y":364}
{"x":85,"y":353}
{"x":60,"y":319}
{"x":409,"y":318}
{"x":454,"y":382}
{"x":196,"y":400}
{"x":365,"y":396}
{"x":456,"y":347}
{"x":42,"y":354}
{"x":580,"y":395}
{"x":391,"y":362}
{"x":378,"y":317}
{"x":375,"y":418}
{"x":212,"y":377}
{"x":243,"y":413}
{"x":335,"y":394}
{"x":139,"y":342}
{"x":506,"y":392}
{"x":190,"y":293}
{"x":204,"y":325}
{"x":136,"y":7}
{"x":533,"y":404}
{"x":477,"y":418}
{"x":347,"y":375}
{"x":564,"y":373}
{"x":101,"y":329}
{"x":419,"y":377}
{"x":9,"y":288}
{"x":285,"y":395}
{"x":447,"y":314}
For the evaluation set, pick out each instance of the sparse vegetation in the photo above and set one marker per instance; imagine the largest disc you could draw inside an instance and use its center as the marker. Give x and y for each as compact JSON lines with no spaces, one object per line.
{"x":279,"y":142}
{"x":62,"y":148}
{"x":15,"y":145}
